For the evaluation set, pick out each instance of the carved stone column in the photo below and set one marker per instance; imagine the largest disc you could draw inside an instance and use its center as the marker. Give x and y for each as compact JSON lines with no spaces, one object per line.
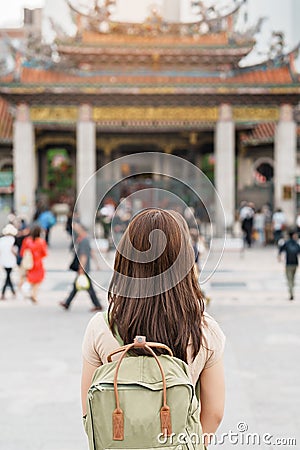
{"x":225,"y":167}
{"x":24,"y":163}
{"x":86,"y":166}
{"x":285,"y":151}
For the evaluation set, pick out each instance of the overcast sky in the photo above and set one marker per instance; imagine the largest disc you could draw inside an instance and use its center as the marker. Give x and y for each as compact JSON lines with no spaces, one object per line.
{"x":282,"y":15}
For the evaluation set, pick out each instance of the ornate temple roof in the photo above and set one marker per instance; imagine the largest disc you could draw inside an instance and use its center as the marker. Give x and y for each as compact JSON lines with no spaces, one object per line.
{"x":155,"y":54}
{"x":262,"y":133}
{"x":154,"y":57}
{"x":210,"y":42}
{"x":106,"y":53}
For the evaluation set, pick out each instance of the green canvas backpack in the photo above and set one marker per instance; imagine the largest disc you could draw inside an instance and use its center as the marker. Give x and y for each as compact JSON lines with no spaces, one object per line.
{"x":143,"y":402}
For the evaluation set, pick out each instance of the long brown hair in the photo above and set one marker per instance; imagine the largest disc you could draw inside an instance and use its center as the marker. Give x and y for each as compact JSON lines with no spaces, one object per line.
{"x":35,"y":231}
{"x":169,"y":310}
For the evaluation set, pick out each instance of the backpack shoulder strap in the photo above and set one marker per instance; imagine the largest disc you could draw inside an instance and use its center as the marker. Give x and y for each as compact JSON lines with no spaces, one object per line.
{"x":117,"y":336}
{"x":197,"y":390}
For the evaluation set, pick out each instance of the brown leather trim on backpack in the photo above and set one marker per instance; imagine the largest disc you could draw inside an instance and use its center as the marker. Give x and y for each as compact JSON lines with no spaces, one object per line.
{"x":165,"y":420}
{"x":118,"y":425}
{"x":118,"y":416}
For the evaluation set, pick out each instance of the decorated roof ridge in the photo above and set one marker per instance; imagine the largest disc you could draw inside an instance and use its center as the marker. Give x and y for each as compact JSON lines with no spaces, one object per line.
{"x":104,"y":13}
{"x":41,"y":53}
{"x":279,"y":60}
{"x":262,"y":133}
{"x":275,"y":76}
{"x":6,"y":122}
{"x":99,"y":20}
{"x":236,"y":8}
{"x":197,"y":22}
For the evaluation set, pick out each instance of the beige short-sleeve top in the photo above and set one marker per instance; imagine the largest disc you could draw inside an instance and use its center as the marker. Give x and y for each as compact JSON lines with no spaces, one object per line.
{"x":99,"y":341}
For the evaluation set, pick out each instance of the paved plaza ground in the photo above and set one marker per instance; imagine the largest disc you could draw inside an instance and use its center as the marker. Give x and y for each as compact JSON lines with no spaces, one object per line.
{"x":40,"y":347}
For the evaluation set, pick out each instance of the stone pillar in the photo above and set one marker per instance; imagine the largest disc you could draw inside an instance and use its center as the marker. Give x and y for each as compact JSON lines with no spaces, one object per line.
{"x":285,"y":152}
{"x":24,"y":163}
{"x":86,"y":166}
{"x":225,"y":167}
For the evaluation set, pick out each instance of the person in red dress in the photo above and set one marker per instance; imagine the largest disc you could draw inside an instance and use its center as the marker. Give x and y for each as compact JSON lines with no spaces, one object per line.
{"x":38,"y":248}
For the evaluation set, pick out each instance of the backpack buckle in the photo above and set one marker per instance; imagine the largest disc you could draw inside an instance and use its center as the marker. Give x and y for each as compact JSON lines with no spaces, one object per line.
{"x":139,"y":341}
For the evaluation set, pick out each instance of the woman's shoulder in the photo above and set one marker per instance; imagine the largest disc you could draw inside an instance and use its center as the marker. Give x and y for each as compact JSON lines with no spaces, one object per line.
{"x":98,"y":341}
{"x":212,"y":331}
{"x":212,"y":346}
{"x":38,"y":244}
{"x":100,"y":327}
{"x":97,"y":322}
{"x":209,"y":321}
{"x":40,"y":241}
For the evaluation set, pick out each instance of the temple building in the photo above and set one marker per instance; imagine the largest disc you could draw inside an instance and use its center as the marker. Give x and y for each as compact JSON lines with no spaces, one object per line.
{"x":118,"y":88}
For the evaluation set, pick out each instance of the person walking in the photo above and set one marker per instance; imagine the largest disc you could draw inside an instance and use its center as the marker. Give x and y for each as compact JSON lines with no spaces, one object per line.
{"x":169,"y":310}
{"x":82,"y":265}
{"x":259,"y":226}
{"x":246,"y":219}
{"x":35,"y":249}
{"x":278,"y":223}
{"x":8,"y":256}
{"x":46,"y":220}
{"x":267,"y":212}
{"x":292,"y":249}
{"x":23,"y":233}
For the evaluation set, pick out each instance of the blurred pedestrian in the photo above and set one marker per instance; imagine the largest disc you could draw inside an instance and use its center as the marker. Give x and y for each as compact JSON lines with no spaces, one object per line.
{"x":119,"y":224}
{"x":35,"y":246}
{"x":106,"y":215}
{"x":23,"y":232}
{"x":292,"y":249}
{"x":72,"y":217}
{"x":81,"y":264}
{"x":278,"y":224}
{"x":246,"y":219}
{"x":12,"y":218}
{"x":8,"y":256}
{"x":199,"y":247}
{"x":267,"y":212}
{"x":69,"y":222}
{"x":47,"y":220}
{"x":259,"y":226}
